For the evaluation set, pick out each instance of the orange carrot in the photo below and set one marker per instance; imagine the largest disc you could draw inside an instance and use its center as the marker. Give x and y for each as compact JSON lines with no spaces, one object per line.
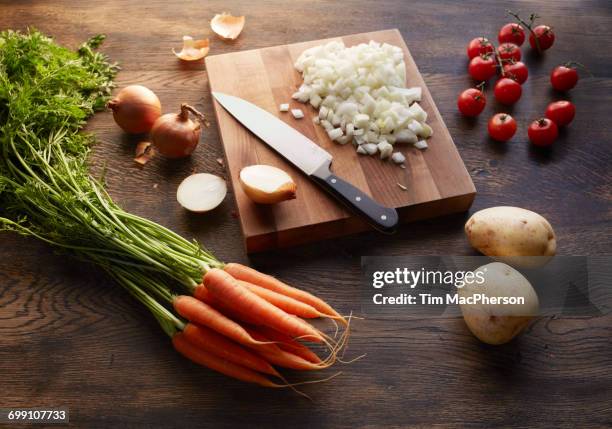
{"x":212,"y":342}
{"x":288,"y":360}
{"x":204,"y":295}
{"x":248,"y":274}
{"x":223,"y":286}
{"x":198,"y":312}
{"x":209,"y":360}
{"x":285,"y":342}
{"x":284,"y":358}
{"x":284,"y":302}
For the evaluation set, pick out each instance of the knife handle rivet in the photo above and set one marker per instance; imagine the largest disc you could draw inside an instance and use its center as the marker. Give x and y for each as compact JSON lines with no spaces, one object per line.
{"x":384,"y":217}
{"x":357,"y":198}
{"x":333,"y":180}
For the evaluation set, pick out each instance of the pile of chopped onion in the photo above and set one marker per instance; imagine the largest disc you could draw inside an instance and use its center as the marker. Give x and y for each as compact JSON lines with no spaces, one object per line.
{"x":362,"y":97}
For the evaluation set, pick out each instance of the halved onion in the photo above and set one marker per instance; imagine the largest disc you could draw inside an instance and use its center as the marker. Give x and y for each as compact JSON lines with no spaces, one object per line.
{"x":193,"y":50}
{"x":265,"y":184}
{"x":227,"y":26}
{"x":201,"y":192}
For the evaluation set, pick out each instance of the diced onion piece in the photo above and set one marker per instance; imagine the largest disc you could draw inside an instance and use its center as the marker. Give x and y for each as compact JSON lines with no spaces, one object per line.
{"x":398,"y":157}
{"x":372,"y":137}
{"x":370,"y":148}
{"x":421,"y":144}
{"x":389,"y":137}
{"x":405,"y":136}
{"x":302,"y":97}
{"x":361,"y":95}
{"x":315,"y":100}
{"x":385,"y":149}
{"x":334,"y":133}
{"x":361,"y":120}
{"x":417,"y":112}
{"x":327,"y":125}
{"x":415,"y":127}
{"x":201,"y":192}
{"x":347,"y":108}
{"x":427,"y":130}
{"x":323,"y":112}
{"x":412,"y":94}
{"x":343,"y":139}
{"x":297,"y":113}
{"x":284,"y":107}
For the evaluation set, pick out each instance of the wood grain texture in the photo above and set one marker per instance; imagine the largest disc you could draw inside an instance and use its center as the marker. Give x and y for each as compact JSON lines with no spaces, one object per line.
{"x":69,"y":337}
{"x":436,"y":180}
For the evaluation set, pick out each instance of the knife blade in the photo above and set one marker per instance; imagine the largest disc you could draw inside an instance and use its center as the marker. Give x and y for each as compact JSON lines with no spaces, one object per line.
{"x":309,"y":157}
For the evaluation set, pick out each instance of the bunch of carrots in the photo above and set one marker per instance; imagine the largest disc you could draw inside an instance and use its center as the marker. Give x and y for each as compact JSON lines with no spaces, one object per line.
{"x":242,"y":322}
{"x":227,"y":317}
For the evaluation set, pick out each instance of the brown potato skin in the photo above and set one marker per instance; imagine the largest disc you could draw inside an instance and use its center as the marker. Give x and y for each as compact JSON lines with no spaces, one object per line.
{"x":512,"y":234}
{"x":499,"y":323}
{"x":495,"y":330}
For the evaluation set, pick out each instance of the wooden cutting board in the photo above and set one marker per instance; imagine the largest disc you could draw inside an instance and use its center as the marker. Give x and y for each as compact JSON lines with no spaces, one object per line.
{"x":436,"y":179}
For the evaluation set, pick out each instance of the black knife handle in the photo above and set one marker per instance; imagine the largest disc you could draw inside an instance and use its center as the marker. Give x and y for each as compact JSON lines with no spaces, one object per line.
{"x":383,"y":218}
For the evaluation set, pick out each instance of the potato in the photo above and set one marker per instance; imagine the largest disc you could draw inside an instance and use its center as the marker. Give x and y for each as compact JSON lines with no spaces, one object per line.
{"x":498,"y":323}
{"x":513,"y":235}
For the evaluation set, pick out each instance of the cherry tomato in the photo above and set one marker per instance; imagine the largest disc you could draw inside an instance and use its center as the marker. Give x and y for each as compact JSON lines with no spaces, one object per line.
{"x":502,"y":127}
{"x":545,"y":36}
{"x":511,"y":33}
{"x":471,"y":102}
{"x":561,"y":112}
{"x":563,"y":78}
{"x":482,"y":67}
{"x":543,"y":132}
{"x":479,"y":46}
{"x":507,"y":91}
{"x":509,"y":51}
{"x":516,"y":71}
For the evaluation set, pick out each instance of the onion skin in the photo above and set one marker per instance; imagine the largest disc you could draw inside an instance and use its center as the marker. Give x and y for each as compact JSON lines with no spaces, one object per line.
{"x":135,"y":109}
{"x":175,"y":135}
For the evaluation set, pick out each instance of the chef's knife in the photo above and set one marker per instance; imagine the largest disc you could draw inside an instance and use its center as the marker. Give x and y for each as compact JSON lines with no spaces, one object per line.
{"x":308,"y":157}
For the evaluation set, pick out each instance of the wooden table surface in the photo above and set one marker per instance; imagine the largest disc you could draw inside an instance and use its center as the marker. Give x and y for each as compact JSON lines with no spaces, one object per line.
{"x":69,"y":337}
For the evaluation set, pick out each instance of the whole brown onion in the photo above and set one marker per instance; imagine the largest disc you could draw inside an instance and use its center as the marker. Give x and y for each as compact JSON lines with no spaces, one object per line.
{"x":175,"y":135}
{"x":135,"y":109}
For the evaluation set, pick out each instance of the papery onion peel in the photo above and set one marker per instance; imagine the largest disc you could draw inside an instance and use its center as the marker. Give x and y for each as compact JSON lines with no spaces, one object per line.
{"x":193,"y":50}
{"x":144,"y":153}
{"x":227,"y":26}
